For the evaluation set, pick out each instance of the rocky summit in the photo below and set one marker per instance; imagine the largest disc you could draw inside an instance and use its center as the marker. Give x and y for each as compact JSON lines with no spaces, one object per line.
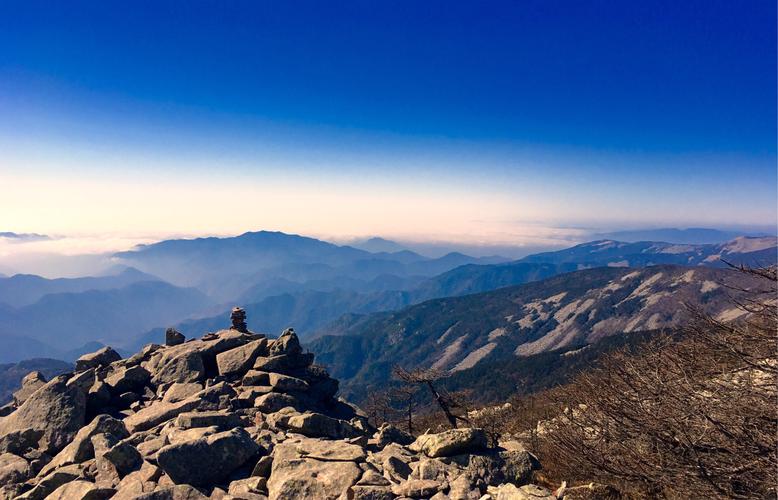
{"x":232,"y":415}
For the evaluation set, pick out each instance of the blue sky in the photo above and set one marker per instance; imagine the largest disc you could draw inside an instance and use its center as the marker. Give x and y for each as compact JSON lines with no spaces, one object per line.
{"x":414,"y":119}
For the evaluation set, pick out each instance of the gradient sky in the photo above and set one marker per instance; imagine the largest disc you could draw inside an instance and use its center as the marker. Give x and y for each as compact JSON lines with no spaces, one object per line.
{"x":490,"y":122}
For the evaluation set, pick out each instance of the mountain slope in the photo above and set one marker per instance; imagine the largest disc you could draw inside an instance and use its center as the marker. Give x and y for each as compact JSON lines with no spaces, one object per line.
{"x":741,"y":250}
{"x":692,"y":235}
{"x":316,"y":309}
{"x":561,"y":312}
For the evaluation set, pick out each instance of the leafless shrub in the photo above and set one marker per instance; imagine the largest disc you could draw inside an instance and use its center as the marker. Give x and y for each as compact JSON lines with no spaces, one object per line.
{"x":694,"y":418}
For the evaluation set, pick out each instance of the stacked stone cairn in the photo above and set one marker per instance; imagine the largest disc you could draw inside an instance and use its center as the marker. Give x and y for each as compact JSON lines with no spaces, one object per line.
{"x":233,"y":415}
{"x":238,"y":318}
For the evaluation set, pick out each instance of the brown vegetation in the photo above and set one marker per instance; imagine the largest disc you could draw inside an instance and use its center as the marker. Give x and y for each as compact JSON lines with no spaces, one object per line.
{"x":694,"y":418}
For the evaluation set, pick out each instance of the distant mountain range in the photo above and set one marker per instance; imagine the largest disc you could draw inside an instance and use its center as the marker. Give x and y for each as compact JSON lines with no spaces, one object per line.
{"x":60,"y":322}
{"x":287,"y":280}
{"x":692,"y":235}
{"x":25,"y":289}
{"x":311,"y":312}
{"x":11,"y":374}
{"x":24,"y":236}
{"x":566,"y":311}
{"x":376,"y":245}
{"x":226,"y":268}
{"x":742,"y":250}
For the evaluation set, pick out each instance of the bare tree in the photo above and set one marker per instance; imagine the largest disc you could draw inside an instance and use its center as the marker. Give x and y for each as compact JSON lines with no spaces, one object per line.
{"x":405,"y":395}
{"x":447,"y":402}
{"x":378,"y":407}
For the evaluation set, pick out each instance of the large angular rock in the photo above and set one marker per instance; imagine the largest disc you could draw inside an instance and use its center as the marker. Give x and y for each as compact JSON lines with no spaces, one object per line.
{"x":309,"y":468}
{"x":178,"y":492}
{"x":318,"y":425}
{"x":319,"y":449}
{"x":308,"y":478}
{"x":55,"y":409}
{"x":274,"y":401}
{"x":13,"y":469}
{"x":207,"y":419}
{"x":81,"y":449}
{"x":417,"y":488}
{"x":451,"y":442}
{"x":360,"y":492}
{"x":180,"y":391}
{"x":208,"y":460}
{"x":283,"y":363}
{"x":509,"y":491}
{"x":159,"y":412}
{"x":126,"y":379}
{"x":254,"y":377}
{"x":287,"y":343}
{"x":391,"y":434}
{"x":19,"y":442}
{"x":173,"y":337}
{"x":30,"y":383}
{"x":143,"y":480}
{"x":102,"y":357}
{"x":285,"y":383}
{"x":187,"y":366}
{"x":122,"y":457}
{"x":48,"y":484}
{"x":240,"y":359}
{"x":81,"y":490}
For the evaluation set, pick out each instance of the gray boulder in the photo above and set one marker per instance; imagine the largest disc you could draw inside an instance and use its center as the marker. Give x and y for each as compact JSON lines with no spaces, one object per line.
{"x":55,"y":409}
{"x":207,"y":460}
{"x":48,"y":484}
{"x":391,"y":434}
{"x":178,"y":492}
{"x":19,"y":442}
{"x":81,"y":449}
{"x":180,"y":391}
{"x":30,"y":383}
{"x":122,"y":457}
{"x":240,"y":359}
{"x":207,"y":419}
{"x":310,"y":468}
{"x":187,"y":366}
{"x":287,"y":343}
{"x":274,"y":401}
{"x":126,"y":379}
{"x":81,"y":490}
{"x":102,"y":357}
{"x":283,"y":363}
{"x":173,"y":337}
{"x":318,"y":425}
{"x":451,"y":442}
{"x":13,"y":469}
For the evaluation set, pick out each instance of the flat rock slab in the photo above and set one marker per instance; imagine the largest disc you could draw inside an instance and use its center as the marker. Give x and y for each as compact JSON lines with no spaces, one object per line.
{"x":295,"y":478}
{"x":194,"y":419}
{"x":320,"y":449}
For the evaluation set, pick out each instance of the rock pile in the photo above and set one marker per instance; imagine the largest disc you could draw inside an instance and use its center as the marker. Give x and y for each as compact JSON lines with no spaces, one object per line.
{"x":233,"y":415}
